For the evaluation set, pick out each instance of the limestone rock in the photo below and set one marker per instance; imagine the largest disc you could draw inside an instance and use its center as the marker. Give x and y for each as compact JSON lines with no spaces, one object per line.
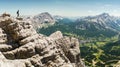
{"x":1,"y":56}
{"x":56,"y":35}
{"x":22,"y":46}
{"x":5,"y":14}
{"x":41,"y":20}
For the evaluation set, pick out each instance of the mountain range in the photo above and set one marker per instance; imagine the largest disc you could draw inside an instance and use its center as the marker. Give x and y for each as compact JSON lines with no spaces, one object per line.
{"x":99,"y":22}
{"x":90,"y":26}
{"x":102,"y":21}
{"x":98,"y":36}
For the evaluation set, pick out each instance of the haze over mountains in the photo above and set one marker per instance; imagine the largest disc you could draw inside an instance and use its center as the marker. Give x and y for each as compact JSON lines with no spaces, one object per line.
{"x":98,"y":25}
{"x":103,"y":20}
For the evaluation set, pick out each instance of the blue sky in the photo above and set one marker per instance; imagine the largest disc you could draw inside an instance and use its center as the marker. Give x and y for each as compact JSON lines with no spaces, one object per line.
{"x":61,"y":7}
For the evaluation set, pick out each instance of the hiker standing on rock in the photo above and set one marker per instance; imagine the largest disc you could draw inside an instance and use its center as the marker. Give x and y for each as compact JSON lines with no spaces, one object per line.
{"x":18,"y":13}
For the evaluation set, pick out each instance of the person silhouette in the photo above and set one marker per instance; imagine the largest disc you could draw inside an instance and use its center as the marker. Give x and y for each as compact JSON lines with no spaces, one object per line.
{"x":18,"y":13}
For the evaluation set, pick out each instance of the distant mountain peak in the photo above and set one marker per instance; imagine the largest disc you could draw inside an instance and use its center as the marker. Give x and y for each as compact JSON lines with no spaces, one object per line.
{"x":104,"y":14}
{"x":46,"y":13}
{"x":42,"y":19}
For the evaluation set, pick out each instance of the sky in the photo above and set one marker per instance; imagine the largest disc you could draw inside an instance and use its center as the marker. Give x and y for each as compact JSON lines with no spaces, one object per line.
{"x":61,"y":7}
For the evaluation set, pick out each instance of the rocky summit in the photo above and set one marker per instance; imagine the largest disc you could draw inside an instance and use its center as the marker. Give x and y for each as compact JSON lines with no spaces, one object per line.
{"x":22,"y":46}
{"x":41,"y":20}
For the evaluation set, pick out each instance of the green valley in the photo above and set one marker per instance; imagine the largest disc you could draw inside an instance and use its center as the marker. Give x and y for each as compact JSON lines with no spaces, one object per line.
{"x":99,"y":47}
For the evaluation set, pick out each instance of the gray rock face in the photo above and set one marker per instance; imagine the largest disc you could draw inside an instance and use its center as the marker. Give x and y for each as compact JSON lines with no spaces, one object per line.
{"x":21,"y":46}
{"x":100,"y":22}
{"x":42,"y":20}
{"x":56,"y":35}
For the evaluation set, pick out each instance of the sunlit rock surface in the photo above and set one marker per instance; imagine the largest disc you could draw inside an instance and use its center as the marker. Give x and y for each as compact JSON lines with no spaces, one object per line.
{"x":21,"y":46}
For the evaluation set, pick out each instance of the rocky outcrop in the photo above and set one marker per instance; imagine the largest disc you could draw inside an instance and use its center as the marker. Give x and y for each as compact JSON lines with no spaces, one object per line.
{"x":21,"y":46}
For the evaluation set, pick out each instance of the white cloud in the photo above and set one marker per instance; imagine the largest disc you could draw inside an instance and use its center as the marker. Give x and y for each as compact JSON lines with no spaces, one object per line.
{"x":90,"y":11}
{"x":115,"y":10}
{"x":107,"y":5}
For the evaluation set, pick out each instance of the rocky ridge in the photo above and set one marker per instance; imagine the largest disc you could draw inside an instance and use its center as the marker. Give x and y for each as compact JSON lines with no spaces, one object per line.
{"x":22,"y":46}
{"x":102,"y":21}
